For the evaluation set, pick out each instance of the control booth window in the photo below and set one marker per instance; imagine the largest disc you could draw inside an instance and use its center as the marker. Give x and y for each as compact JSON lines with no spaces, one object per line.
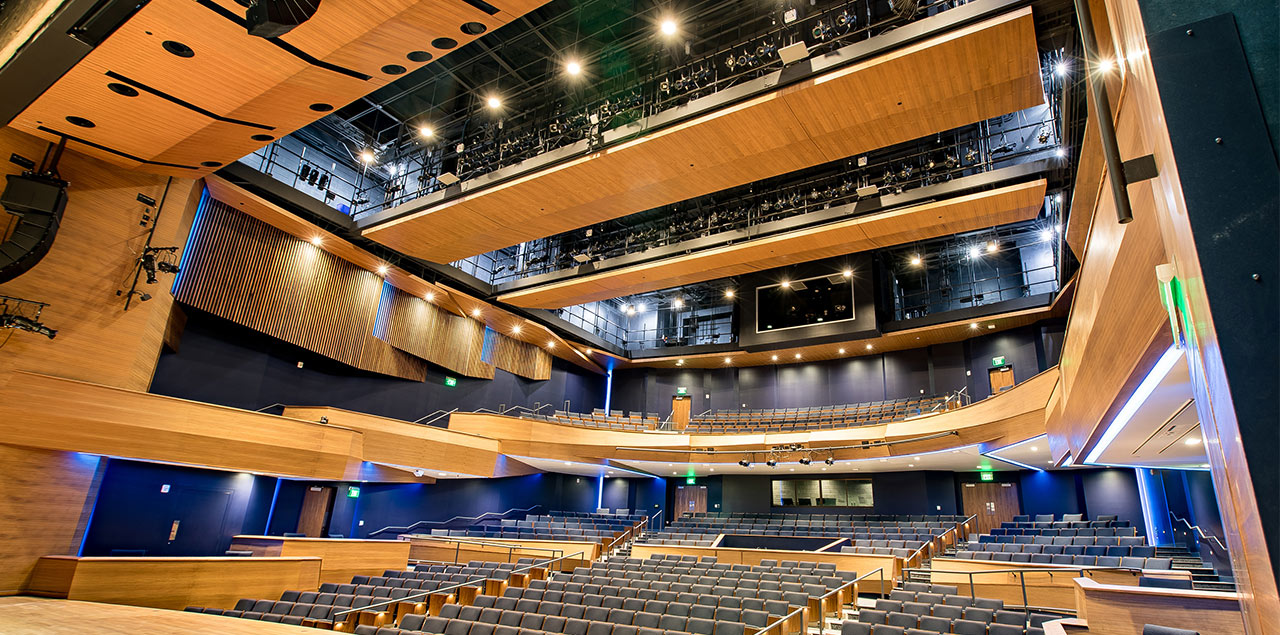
{"x":822,"y":493}
{"x":796,"y":303}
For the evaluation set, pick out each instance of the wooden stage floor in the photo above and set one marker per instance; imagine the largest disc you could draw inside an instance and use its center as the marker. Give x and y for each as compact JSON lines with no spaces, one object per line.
{"x":31,"y":616}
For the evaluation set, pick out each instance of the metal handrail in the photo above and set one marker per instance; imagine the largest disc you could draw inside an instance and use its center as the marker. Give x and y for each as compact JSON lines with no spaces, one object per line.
{"x":266,"y":407}
{"x":463,"y":540}
{"x":1199,"y":532}
{"x":779,"y":622}
{"x":661,"y":514}
{"x":424,"y":594}
{"x":409,"y":528}
{"x":1022,"y":580}
{"x":434,"y":416}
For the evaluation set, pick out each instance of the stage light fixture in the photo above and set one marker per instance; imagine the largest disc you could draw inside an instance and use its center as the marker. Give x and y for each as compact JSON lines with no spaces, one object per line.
{"x":317,"y":240}
{"x":516,"y":329}
{"x":551,"y":344}
{"x":367,"y":156}
{"x":973,"y":325}
{"x":974,"y":252}
{"x":805,"y":460}
{"x":771,"y":462}
{"x":728,"y":293}
{"x":680,"y":362}
{"x":831,"y":460}
{"x":677,"y":303}
{"x":382,"y":270}
{"x":1061,"y":69}
{"x":1046,"y":235}
{"x":1060,"y":153}
{"x":426,"y":132}
{"x":915,"y":261}
{"x":668,"y":27}
{"x":573,"y":68}
{"x":475,"y":312}
{"x":848,"y":273}
{"x":429,"y":296}
{"x":1106,"y":65}
{"x":991,"y":246}
{"x":786,"y":284}
{"x":494,"y":103}
{"x":640,"y":308}
{"x":744,"y":463}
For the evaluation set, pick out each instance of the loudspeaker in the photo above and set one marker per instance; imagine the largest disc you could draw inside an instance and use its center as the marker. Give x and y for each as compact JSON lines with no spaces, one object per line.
{"x":39,"y":204}
{"x":273,"y":18}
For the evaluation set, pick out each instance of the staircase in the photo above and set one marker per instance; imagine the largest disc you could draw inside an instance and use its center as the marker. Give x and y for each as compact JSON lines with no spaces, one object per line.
{"x":1203,"y":577}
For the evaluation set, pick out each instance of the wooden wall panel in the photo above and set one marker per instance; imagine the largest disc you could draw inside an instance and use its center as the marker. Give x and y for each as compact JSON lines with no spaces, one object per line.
{"x":174,"y":583}
{"x":40,"y":504}
{"x":92,"y":257}
{"x":255,"y":275}
{"x":427,"y":331}
{"x":1124,"y":609}
{"x":520,"y":358}
{"x":340,"y":558}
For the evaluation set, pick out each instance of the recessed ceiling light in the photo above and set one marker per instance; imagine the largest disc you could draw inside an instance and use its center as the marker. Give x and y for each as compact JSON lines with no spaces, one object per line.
{"x":516,"y":329}
{"x":728,"y":360}
{"x":868,"y":347}
{"x":797,"y":355}
{"x":429,"y":296}
{"x":442,"y":474}
{"x":551,"y":344}
{"x":775,"y":358}
{"x":842,"y":351}
{"x":973,"y":325}
{"x":568,"y":463}
{"x":911,"y":465}
{"x":316,"y":240}
{"x":382,"y":270}
{"x":475,"y":312}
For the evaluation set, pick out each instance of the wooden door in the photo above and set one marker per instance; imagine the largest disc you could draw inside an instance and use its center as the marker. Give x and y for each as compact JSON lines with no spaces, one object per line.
{"x":691,"y":498}
{"x":680,"y":409}
{"x":316,"y":504}
{"x":992,"y":503}
{"x":1001,"y":379}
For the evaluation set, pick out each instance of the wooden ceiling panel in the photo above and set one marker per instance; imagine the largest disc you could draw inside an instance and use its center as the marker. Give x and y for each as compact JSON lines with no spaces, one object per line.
{"x":964,"y":213}
{"x":992,"y":69}
{"x":234,"y":75}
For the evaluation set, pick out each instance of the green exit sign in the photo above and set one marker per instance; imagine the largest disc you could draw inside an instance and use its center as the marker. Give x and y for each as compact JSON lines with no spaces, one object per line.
{"x":682,"y":391}
{"x":988,"y":476}
{"x":451,"y":381}
{"x":689,"y":480}
{"x":353,"y":492}
{"x":997,"y":362}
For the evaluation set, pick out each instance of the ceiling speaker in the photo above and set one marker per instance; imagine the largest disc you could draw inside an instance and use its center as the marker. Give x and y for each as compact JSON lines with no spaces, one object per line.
{"x":273,"y":18}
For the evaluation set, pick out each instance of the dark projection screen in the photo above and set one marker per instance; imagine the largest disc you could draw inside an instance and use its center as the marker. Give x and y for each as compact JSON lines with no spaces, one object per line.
{"x":822,"y":493}
{"x":820,"y":300}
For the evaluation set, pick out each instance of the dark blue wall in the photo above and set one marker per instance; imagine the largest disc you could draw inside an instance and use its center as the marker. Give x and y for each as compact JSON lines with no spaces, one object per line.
{"x":224,"y":363}
{"x":1113,"y":491}
{"x":1050,"y":493}
{"x":1204,"y":503}
{"x":934,"y":370}
{"x":132,"y":512}
{"x":918,"y":492}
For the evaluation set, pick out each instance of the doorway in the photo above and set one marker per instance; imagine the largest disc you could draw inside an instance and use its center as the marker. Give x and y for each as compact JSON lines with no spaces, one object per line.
{"x":195,"y":523}
{"x":317,"y":502}
{"x":691,"y":499}
{"x":1001,"y":379}
{"x":681,"y":408}
{"x":991,"y":503}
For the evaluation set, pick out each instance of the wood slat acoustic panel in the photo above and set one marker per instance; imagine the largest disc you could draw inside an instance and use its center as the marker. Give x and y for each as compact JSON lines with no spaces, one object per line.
{"x":965,"y":213}
{"x":992,"y":67}
{"x":427,"y":331}
{"x":520,"y":358}
{"x":443,"y":296}
{"x":244,"y":85}
{"x":248,"y":272}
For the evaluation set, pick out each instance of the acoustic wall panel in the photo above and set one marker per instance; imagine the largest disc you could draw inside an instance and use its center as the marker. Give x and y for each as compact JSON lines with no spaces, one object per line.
{"x":253,"y":274}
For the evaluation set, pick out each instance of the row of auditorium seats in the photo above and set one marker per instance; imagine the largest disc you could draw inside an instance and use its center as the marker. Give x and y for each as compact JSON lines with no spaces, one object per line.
{"x":1013,"y":535}
{"x":818,"y":417}
{"x":1077,"y":549}
{"x":897,"y":552}
{"x":870,"y":519}
{"x":635,"y":422}
{"x":919,"y":609}
{"x":1075,"y":560}
{"x":1067,"y":520}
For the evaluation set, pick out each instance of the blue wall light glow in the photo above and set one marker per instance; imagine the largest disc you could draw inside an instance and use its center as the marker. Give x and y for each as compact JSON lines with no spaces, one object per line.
{"x":608,"y":388}
{"x":1135,"y":402}
{"x":191,"y":236}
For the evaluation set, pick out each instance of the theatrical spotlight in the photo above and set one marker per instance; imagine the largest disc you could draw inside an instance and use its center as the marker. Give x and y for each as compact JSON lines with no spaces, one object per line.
{"x":26,"y":324}
{"x":23,"y":315}
{"x":771,"y":462}
{"x":831,"y":460}
{"x":744,"y":463}
{"x":159,"y":259}
{"x":805,"y":460}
